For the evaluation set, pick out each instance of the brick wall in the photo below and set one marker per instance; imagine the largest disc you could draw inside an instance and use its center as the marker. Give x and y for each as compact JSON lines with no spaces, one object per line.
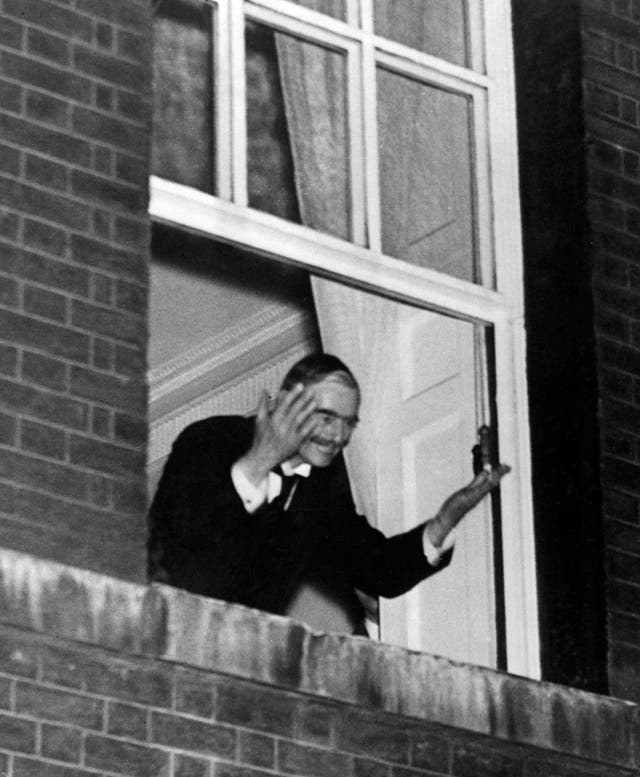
{"x":611,"y":41}
{"x":191,"y":687}
{"x":74,"y":108}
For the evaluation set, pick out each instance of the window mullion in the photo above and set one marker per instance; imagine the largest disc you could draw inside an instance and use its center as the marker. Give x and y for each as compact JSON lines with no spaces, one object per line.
{"x":238,"y":140}
{"x":223,"y":108}
{"x":358,"y":173}
{"x":372,"y":170}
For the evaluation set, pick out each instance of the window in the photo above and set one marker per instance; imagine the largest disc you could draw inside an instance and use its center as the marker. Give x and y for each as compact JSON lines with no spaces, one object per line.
{"x":371,"y":144}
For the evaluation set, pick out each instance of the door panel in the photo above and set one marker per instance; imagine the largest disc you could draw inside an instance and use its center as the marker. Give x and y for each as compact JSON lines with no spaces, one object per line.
{"x":424,"y":443}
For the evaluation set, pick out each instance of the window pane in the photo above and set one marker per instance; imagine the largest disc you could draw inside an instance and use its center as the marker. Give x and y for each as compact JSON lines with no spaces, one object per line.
{"x":297,"y":133}
{"x":183,"y":137}
{"x":435,"y":27}
{"x":335,"y":8}
{"x":426,"y":195}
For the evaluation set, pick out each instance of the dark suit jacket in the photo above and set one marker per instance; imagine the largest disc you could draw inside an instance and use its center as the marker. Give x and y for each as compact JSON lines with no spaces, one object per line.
{"x":203,"y":540}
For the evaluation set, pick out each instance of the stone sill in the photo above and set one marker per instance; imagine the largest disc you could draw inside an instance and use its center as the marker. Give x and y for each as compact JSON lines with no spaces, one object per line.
{"x":164,"y":623}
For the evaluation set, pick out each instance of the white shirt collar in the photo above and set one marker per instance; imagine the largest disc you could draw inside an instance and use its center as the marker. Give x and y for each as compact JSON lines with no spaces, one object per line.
{"x":303,"y":469}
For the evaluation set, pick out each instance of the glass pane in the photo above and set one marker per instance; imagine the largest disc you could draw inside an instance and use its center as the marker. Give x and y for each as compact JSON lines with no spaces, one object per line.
{"x":435,"y":27}
{"x":335,"y":8}
{"x":297,"y":132}
{"x":425,"y":141}
{"x":183,"y":139}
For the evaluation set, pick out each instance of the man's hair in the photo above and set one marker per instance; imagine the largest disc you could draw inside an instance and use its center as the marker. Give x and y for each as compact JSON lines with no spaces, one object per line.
{"x":316,"y":367}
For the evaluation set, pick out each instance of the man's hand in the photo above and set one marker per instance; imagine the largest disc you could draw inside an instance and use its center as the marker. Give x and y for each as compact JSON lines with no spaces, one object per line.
{"x":279,"y":432}
{"x":461,"y":502}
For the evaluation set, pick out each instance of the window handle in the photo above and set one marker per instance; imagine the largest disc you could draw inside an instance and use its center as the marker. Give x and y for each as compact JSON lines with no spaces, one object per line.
{"x":483,"y":451}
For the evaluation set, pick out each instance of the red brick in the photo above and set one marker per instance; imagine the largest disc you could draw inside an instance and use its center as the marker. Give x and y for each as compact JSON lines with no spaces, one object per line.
{"x":484,"y":762}
{"x":46,"y":238}
{"x":623,"y":596}
{"x":10,"y":33}
{"x":130,"y":361}
{"x":126,"y":682}
{"x":52,"y":513}
{"x":130,"y":430}
{"x":46,"y":173}
{"x":7,"y":498}
{"x":51,"y":47}
{"x":44,"y":139}
{"x":47,"y":441}
{"x":624,"y":83}
{"x":621,"y":474}
{"x":365,"y":735}
{"x":104,"y":35}
{"x":45,"y":336}
{"x":30,"y":767}
{"x":9,"y":293}
{"x":50,"y":272}
{"x":10,"y":96}
{"x":108,"y":322}
{"x":103,"y":160}
{"x":194,"y":695}
{"x":124,"y":720}
{"x":624,"y":566}
{"x":315,"y":723}
{"x":8,"y":430}
{"x":131,"y":170}
{"x":5,"y":692}
{"x":107,"y":193}
{"x":52,"y":17}
{"x":603,"y":100}
{"x":18,"y":655}
{"x":64,"y":706}
{"x":44,"y":405}
{"x":187,"y":766}
{"x":122,"y":12}
{"x":103,"y":288}
{"x":9,"y":224}
{"x":101,"y":421}
{"x":256,"y":749}
{"x":111,"y":69}
{"x":102,"y":223}
{"x":124,"y":264}
{"x":44,"y":76}
{"x":8,"y":360}
{"x":104,"y":354}
{"x":131,"y":497}
{"x":43,"y":475}
{"x":133,"y":107}
{"x":114,"y":755}
{"x":631,"y":164}
{"x":44,"y":303}
{"x":133,"y":233}
{"x":302,"y":759}
{"x":620,"y":357}
{"x":17,"y":734}
{"x":194,"y":735}
{"x":624,"y":507}
{"x":224,"y":769}
{"x":104,"y":456}
{"x":105,"y":129}
{"x":61,"y":743}
{"x":105,"y":97}
{"x":62,"y":666}
{"x":612,"y":326}
{"x":363,"y":767}
{"x":43,"y":204}
{"x":125,"y":394}
{"x":44,"y":371}
{"x":252,"y":707}
{"x":624,"y":628}
{"x":9,"y":160}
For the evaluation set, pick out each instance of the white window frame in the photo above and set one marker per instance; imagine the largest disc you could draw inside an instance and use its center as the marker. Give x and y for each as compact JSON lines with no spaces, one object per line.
{"x":228,"y":218}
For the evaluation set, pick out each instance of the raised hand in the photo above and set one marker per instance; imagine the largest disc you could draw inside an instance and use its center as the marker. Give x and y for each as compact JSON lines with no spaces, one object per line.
{"x":280,"y":430}
{"x":455,"y":507}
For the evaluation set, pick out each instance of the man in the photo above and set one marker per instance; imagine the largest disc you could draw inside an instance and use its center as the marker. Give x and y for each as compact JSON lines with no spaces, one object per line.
{"x":259,"y":510}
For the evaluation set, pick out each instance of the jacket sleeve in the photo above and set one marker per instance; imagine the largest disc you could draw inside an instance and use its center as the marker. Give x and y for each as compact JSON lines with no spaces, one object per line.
{"x":378,"y":565}
{"x":195,"y":504}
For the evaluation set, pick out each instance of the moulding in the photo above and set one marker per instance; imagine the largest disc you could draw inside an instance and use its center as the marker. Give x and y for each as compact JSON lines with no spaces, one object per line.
{"x":159,"y":622}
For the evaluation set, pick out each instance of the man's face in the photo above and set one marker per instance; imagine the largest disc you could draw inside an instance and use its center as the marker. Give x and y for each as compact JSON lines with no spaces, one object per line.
{"x":336,"y":416}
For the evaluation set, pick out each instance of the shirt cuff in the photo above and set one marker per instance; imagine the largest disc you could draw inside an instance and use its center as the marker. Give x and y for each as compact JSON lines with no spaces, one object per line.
{"x":434,"y":554}
{"x":252,"y":496}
